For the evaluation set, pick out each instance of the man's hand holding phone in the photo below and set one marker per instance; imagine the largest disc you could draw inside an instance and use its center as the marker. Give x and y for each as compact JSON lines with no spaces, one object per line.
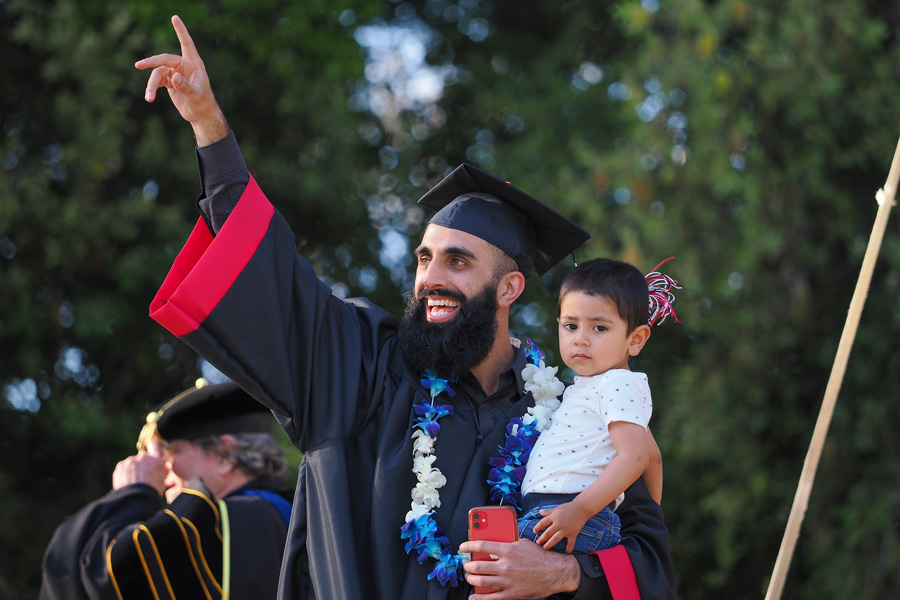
{"x":506,"y":568}
{"x":522,"y":570}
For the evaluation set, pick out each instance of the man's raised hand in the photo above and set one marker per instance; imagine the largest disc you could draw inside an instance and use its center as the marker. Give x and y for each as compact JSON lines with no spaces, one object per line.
{"x":141,"y":468}
{"x":185,"y":78}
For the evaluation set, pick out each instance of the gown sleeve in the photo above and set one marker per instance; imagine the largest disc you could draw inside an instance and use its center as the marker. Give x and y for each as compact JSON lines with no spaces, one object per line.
{"x":75,"y":565}
{"x":245,"y":301}
{"x":126,"y":546}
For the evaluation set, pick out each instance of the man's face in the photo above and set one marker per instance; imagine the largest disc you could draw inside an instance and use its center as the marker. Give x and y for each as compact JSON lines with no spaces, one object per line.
{"x":451,"y":318}
{"x":451,"y":265}
{"x":185,"y":461}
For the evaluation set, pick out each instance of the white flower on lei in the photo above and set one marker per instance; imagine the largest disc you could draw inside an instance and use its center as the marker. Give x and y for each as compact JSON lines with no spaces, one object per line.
{"x":426,"y":493}
{"x":423,"y":445}
{"x":422,"y":465}
{"x":417,"y":511}
{"x":425,"y":496}
{"x":541,"y":381}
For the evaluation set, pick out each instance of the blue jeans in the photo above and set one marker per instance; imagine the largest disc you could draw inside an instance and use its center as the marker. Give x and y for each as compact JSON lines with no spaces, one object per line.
{"x":599,"y":533}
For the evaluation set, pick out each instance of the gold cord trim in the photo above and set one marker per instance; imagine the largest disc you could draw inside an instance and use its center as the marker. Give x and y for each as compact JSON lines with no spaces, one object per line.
{"x":202,"y":556}
{"x":190,"y":551}
{"x":109,"y":569}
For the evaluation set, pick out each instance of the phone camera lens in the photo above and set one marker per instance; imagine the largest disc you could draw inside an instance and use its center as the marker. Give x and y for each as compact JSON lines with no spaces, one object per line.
{"x":477,"y":525}
{"x":476,"y":516}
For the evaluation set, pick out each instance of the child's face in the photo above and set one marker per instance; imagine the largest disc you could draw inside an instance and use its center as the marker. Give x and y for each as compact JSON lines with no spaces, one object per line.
{"x":593,"y":338}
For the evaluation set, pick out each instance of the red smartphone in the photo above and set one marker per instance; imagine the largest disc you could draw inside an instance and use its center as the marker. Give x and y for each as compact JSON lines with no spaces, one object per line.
{"x":492,"y":524}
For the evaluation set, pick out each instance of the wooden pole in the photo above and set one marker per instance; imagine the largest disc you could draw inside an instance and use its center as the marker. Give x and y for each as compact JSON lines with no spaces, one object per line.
{"x":885,"y":198}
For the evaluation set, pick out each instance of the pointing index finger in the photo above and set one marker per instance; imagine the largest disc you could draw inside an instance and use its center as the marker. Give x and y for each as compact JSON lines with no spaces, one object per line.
{"x":188,"y":50}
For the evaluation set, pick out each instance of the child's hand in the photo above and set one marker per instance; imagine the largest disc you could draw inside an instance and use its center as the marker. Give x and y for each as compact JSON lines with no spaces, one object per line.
{"x":564,"y":521}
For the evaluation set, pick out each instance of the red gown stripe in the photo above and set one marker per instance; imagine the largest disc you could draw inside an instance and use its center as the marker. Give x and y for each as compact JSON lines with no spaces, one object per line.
{"x":619,"y":573}
{"x":207,"y":266}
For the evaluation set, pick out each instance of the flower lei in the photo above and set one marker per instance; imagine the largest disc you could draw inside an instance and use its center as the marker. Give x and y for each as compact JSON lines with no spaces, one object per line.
{"x":424,"y":535}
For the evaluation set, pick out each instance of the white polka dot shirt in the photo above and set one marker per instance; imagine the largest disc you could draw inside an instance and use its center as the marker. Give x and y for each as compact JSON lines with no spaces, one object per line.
{"x":570,"y":455}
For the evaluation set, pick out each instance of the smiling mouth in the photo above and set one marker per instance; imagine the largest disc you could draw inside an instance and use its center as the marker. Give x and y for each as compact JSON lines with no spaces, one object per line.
{"x":440,"y":309}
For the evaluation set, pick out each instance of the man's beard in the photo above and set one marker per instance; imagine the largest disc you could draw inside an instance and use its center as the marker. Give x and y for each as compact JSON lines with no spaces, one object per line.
{"x":451,"y":348}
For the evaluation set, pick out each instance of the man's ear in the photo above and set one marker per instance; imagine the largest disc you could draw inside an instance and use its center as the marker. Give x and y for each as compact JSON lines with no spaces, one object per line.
{"x":510,"y":288}
{"x":226,"y":443}
{"x":637,"y":339}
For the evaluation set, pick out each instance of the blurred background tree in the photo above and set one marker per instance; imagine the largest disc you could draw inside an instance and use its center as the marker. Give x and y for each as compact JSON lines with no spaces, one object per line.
{"x":746,"y":139}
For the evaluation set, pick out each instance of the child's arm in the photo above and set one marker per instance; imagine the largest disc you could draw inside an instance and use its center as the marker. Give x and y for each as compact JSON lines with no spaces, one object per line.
{"x":632,"y":456}
{"x":653,"y":475}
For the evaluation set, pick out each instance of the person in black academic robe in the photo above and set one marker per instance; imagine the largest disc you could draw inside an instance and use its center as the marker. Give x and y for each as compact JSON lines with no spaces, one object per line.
{"x":336,"y":376}
{"x":127,"y":545}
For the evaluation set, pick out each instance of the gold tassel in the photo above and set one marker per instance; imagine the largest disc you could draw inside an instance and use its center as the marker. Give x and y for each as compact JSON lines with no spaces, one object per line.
{"x":150,"y":429}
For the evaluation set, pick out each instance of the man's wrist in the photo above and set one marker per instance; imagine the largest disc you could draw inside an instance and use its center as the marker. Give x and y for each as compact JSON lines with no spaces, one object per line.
{"x":212,"y":130}
{"x":571,"y":575}
{"x":590,"y":580}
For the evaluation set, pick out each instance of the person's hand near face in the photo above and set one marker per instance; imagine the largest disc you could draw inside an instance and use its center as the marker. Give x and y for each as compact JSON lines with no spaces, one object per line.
{"x":147,"y":467}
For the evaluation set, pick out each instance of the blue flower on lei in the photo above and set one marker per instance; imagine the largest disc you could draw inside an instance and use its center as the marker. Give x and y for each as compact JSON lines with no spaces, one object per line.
{"x":425,"y":536}
{"x":430,"y":412}
{"x":520,"y":438}
{"x":447,"y":568}
{"x":436,"y":386}
{"x":430,"y":415}
{"x":532,"y":353}
{"x":506,"y":477}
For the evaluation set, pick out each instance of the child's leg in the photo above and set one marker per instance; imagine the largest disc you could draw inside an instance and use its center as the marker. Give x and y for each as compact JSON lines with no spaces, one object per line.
{"x":527,"y":521}
{"x":599,"y":533}
{"x":530,"y":515}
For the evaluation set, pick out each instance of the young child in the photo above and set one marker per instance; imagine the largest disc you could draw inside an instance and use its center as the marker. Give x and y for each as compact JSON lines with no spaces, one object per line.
{"x":599,"y":442}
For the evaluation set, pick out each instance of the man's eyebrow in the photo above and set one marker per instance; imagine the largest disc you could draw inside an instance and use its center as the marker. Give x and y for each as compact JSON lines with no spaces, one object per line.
{"x":453,"y":250}
{"x":460,"y":251}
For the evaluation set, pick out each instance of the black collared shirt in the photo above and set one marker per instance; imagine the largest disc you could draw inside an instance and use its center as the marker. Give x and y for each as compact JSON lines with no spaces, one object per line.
{"x":490,"y":410}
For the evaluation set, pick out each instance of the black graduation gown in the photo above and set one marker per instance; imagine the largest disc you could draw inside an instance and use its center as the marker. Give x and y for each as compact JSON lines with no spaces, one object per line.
{"x":330,"y":371}
{"x":125,"y":545}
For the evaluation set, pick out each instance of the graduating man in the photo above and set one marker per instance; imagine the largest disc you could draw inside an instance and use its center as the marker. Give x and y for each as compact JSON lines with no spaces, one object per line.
{"x":223,"y":532}
{"x":361,"y":395}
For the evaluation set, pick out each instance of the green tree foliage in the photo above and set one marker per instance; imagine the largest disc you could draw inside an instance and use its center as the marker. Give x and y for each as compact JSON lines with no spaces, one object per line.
{"x":746,"y":139}
{"x":96,"y":197}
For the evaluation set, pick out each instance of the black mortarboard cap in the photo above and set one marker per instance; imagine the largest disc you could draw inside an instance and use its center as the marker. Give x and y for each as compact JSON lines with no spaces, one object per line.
{"x":208,"y":410}
{"x":533,"y":234}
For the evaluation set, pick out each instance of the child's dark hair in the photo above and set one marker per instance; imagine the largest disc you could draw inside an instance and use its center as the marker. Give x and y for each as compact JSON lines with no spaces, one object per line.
{"x":616,"y":280}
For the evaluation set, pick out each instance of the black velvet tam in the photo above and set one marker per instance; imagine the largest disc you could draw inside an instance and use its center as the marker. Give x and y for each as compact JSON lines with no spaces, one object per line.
{"x":212,"y":410}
